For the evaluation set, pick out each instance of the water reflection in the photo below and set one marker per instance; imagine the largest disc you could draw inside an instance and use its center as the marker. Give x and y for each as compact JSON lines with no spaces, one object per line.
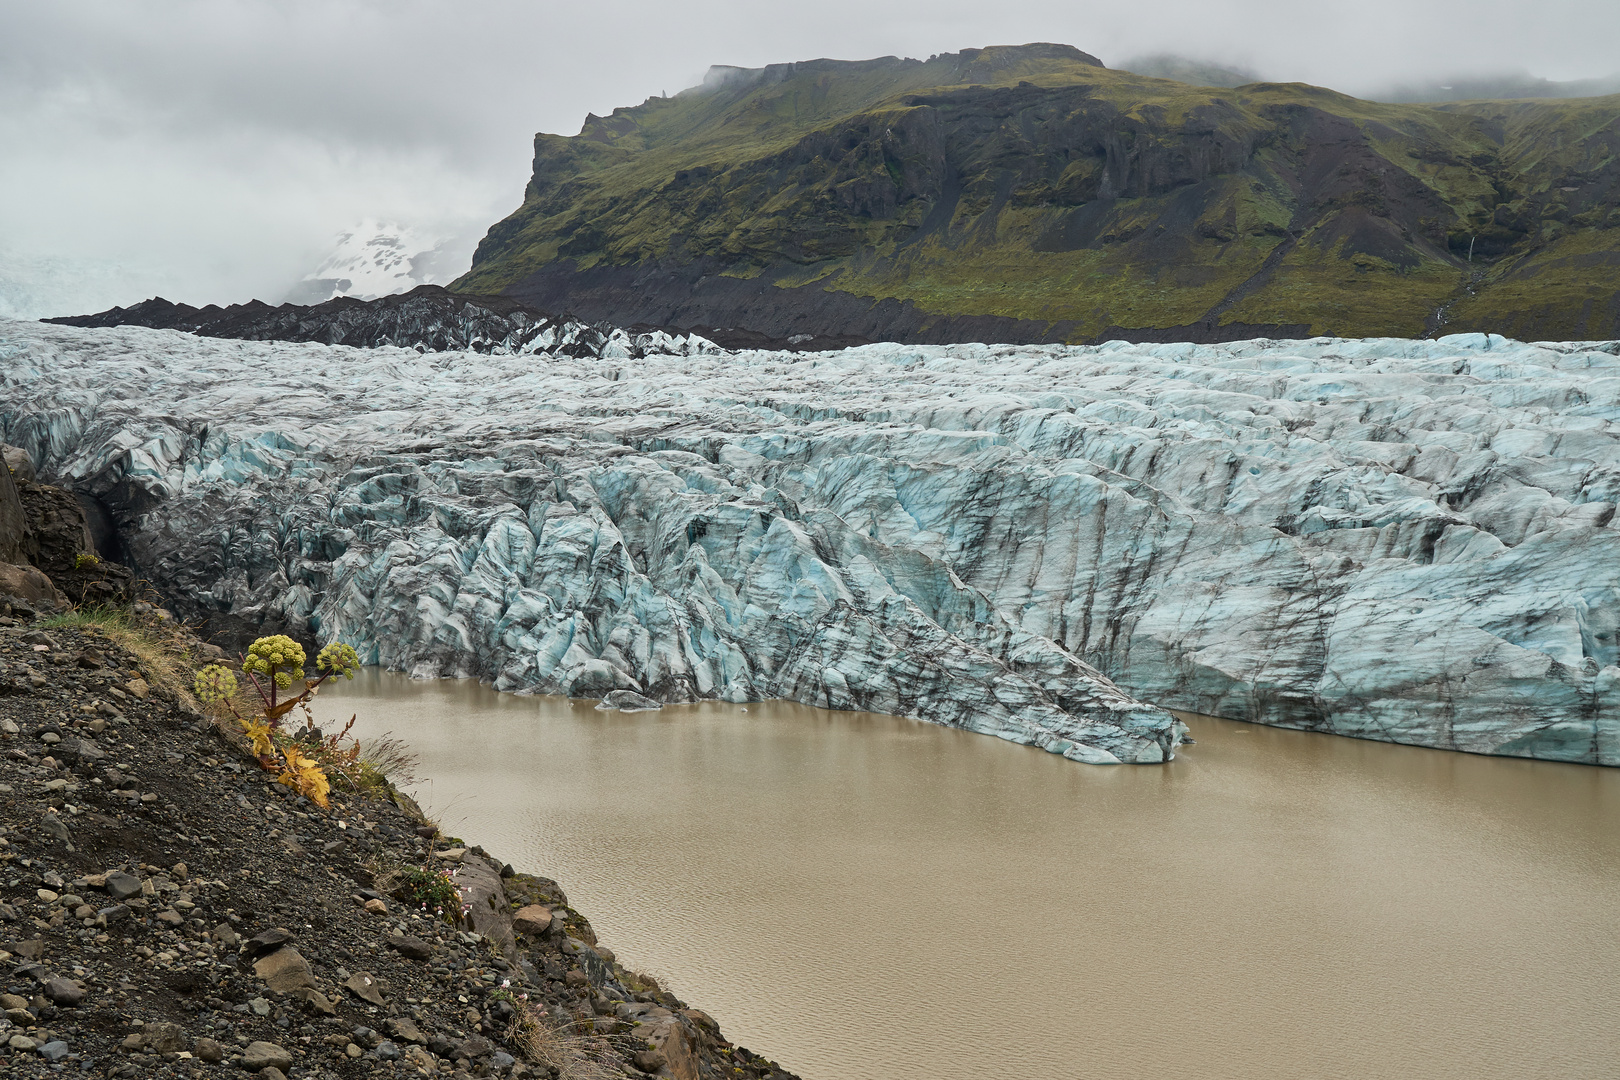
{"x":868,"y":897}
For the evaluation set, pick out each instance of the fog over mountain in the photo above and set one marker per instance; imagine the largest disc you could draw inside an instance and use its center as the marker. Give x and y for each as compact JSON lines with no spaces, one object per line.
{"x":219,"y":151}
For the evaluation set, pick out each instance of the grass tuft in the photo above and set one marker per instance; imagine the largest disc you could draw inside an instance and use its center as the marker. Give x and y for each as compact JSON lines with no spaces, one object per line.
{"x":161,"y":647}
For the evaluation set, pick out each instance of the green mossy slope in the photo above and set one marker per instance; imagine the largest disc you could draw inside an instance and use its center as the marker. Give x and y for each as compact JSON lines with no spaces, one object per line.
{"x":1032,"y":187}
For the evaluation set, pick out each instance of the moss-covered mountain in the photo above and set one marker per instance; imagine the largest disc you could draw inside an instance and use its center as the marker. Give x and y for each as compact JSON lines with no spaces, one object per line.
{"x":1029,"y":193}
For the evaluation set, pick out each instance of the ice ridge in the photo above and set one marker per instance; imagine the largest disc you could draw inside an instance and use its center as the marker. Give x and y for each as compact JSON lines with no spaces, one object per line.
{"x":1403,"y":540}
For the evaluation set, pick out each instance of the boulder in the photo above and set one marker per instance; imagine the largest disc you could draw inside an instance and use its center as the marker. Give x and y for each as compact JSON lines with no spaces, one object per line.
{"x":122,"y":886}
{"x":31,"y":585}
{"x":265,"y":1055}
{"x":267,"y":941}
{"x":412,"y":948}
{"x":64,"y":992}
{"x":284,"y":970}
{"x":533,"y":920}
{"x":365,"y":987}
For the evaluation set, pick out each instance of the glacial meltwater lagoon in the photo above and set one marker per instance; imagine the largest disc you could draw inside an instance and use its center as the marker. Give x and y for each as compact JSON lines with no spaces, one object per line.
{"x":869,"y":898}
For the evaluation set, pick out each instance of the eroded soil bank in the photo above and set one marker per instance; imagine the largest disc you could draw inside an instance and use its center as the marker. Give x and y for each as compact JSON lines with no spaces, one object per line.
{"x":168,"y":912}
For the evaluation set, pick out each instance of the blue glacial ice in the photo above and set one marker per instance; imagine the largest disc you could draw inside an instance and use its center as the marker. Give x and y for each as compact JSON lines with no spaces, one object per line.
{"x":1403,"y":540}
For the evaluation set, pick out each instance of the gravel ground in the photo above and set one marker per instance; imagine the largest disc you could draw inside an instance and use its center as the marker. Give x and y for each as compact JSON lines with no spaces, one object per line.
{"x":169,"y":911}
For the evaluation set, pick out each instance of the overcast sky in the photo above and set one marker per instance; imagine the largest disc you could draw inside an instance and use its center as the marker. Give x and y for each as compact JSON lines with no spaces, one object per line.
{"x":211,"y":149}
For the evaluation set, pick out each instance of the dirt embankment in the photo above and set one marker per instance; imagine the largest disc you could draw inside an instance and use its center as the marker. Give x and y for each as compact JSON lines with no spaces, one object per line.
{"x":170,"y":911}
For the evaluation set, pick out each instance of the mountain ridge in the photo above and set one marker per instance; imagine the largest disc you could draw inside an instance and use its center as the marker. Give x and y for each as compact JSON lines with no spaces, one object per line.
{"x":1028,"y":193}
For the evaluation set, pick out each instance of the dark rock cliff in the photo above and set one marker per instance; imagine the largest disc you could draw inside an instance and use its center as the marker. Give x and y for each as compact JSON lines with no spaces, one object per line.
{"x":48,"y":549}
{"x":1030,"y":194}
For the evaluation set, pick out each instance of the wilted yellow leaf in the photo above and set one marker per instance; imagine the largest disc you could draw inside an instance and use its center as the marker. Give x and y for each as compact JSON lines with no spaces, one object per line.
{"x":259,"y":732}
{"x":305,"y":776}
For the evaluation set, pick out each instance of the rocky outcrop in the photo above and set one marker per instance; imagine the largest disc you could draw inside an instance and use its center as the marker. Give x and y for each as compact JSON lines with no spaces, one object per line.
{"x":51,"y":531}
{"x":1402,"y":540}
{"x":427,"y":319}
{"x":13,"y":518}
{"x":26,"y":589}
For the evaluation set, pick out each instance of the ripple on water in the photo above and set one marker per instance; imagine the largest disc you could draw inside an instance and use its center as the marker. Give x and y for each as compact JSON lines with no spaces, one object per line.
{"x":871,"y":898}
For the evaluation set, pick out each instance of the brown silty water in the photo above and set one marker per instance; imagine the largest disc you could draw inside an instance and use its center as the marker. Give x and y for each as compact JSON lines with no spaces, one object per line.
{"x":870,"y":898}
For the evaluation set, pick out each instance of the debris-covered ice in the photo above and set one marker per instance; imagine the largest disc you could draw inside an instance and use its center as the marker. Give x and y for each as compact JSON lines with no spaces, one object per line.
{"x":1402,"y":540}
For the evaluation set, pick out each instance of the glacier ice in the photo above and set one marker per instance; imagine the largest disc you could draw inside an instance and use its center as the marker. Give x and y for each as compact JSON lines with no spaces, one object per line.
{"x":1403,"y":540}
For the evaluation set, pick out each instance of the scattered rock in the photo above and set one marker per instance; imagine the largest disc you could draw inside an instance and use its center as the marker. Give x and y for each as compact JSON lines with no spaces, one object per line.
{"x":164,"y":1037}
{"x":405,"y":1030}
{"x":27,"y":950}
{"x":208,"y":1050}
{"x":64,"y":992}
{"x":54,"y":1051}
{"x":317,"y":1001}
{"x":376,"y":907}
{"x":365,"y":988}
{"x":122,"y":886}
{"x":412,"y":948}
{"x":475,"y":1047}
{"x":268,"y":941}
{"x":265,"y":1055}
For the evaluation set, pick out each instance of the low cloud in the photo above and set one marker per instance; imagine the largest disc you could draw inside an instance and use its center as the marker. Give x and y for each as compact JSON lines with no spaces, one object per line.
{"x":215,"y":147}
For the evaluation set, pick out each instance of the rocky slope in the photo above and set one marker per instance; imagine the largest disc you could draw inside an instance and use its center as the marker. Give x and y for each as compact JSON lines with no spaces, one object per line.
{"x":1029,"y":194}
{"x":1408,"y":541}
{"x":169,"y":913}
{"x":426,"y":318}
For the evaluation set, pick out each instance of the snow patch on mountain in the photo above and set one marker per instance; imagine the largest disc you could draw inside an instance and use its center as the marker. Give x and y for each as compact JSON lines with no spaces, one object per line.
{"x":378,"y":258}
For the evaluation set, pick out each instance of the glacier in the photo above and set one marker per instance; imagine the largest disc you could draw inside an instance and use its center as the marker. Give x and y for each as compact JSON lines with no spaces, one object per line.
{"x":1411,"y":541}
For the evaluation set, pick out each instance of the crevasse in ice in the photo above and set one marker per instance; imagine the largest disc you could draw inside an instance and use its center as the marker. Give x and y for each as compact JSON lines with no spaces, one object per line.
{"x":1394,"y":539}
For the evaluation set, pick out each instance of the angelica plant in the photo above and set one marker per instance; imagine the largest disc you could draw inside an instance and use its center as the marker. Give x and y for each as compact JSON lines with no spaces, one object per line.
{"x":274,"y":665}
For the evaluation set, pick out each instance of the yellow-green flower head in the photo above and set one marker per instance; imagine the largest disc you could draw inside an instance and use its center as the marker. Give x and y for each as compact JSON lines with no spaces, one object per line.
{"x":283,"y":679}
{"x":339,"y":659}
{"x":268,"y":654}
{"x":214,"y":683}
